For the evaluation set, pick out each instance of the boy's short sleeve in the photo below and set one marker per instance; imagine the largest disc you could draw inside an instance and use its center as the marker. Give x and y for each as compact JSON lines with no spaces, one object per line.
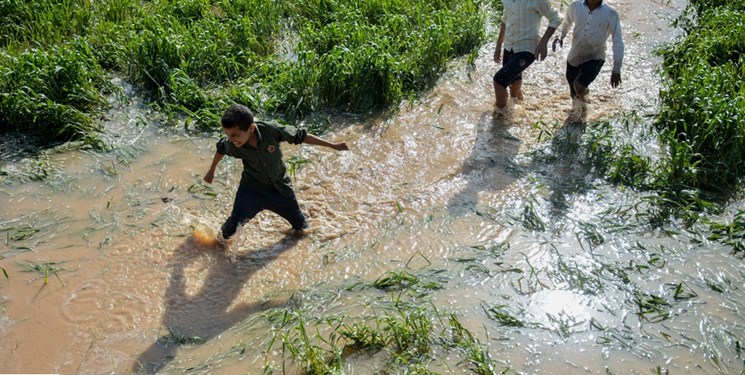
{"x":291,"y":134}
{"x":221,"y":146}
{"x":553,"y":16}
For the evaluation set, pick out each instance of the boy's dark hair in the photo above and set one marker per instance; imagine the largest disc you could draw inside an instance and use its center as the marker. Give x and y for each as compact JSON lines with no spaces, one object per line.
{"x":237,"y":116}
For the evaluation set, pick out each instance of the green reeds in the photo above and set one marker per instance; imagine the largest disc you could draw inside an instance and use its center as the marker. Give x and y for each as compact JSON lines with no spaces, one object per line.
{"x":195,"y":57}
{"x":42,"y":23}
{"x":44,"y":270}
{"x":407,"y":333}
{"x":53,"y":93}
{"x":651,"y":307}
{"x":476,"y":354}
{"x":503,"y":315}
{"x":174,"y":337}
{"x":371,"y":54}
{"x":732,"y":234}
{"x":702,"y":103}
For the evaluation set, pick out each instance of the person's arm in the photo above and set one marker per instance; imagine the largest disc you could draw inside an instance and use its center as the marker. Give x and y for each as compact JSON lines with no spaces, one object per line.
{"x":565,"y":25}
{"x":313,"y":140}
{"x":554,"y":21}
{"x":615,"y":77}
{"x":542,"y":49}
{"x":500,"y":43}
{"x":211,"y":172}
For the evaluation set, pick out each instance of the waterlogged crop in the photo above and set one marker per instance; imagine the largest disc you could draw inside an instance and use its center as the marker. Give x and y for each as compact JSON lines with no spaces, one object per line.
{"x":702,"y":103}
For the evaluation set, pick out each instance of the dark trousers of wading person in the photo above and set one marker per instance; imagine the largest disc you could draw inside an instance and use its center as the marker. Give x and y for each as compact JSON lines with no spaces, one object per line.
{"x":511,"y":75}
{"x":580,"y":77}
{"x":249,"y":201}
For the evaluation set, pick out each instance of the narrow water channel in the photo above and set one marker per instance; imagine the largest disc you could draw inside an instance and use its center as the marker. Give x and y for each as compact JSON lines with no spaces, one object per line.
{"x":441,"y":184}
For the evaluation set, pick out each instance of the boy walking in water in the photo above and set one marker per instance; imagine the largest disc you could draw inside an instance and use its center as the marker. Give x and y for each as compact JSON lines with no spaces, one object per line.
{"x":594,"y":21}
{"x":264,"y":184}
{"x":518,"y":36}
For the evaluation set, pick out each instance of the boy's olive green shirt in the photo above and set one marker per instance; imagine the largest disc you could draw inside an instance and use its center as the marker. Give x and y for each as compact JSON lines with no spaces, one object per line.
{"x":263,"y":166}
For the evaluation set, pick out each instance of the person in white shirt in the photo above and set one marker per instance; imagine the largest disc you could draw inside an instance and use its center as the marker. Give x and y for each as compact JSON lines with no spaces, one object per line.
{"x":594,"y":21}
{"x":518,"y":36}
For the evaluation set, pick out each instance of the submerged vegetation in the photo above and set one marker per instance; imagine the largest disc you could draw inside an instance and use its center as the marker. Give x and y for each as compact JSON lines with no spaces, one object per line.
{"x":286,"y":58}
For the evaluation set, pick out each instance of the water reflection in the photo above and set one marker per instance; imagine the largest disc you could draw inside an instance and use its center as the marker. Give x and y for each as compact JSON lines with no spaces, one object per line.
{"x":197,"y":313}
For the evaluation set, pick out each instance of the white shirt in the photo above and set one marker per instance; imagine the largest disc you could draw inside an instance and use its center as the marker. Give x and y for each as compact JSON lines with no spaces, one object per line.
{"x":522,"y":18}
{"x":590,"y":33}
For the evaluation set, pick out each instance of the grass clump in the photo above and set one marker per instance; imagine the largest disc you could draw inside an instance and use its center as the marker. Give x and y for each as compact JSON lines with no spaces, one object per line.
{"x":731,"y":233}
{"x":193,"y":57}
{"x":403,"y":329}
{"x":54,"y":93}
{"x":45,"y":269}
{"x":371,"y":53}
{"x":703,"y":103}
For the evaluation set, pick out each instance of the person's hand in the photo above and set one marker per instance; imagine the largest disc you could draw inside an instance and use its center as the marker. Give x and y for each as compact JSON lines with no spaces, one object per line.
{"x":615,"y":79}
{"x":498,"y":55}
{"x":209,"y":177}
{"x":541,"y":51}
{"x":558,"y":41}
{"x":341,"y":146}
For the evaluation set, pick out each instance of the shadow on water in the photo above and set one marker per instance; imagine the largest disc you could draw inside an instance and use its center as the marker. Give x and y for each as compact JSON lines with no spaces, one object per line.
{"x":486,"y":168}
{"x":569,"y":172}
{"x":195,"y":318}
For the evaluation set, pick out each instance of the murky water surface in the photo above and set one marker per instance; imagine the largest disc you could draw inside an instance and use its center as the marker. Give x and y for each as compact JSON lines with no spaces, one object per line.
{"x":440,"y":185}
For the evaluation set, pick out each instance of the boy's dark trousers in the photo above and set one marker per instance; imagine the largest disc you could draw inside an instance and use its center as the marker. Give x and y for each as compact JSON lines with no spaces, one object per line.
{"x":249,"y":202}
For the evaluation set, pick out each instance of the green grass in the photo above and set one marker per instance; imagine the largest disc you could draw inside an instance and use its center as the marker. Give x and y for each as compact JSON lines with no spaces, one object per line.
{"x":405,"y":329}
{"x":45,"y":270}
{"x":731,"y":233}
{"x":53,"y":93}
{"x":702,"y":102}
{"x":194,"y":57}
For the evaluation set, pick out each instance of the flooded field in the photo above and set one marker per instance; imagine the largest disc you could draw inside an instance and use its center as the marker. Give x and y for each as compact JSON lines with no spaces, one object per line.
{"x":551,"y":269}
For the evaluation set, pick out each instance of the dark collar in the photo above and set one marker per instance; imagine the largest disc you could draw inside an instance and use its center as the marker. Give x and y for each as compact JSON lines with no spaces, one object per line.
{"x":588,"y":6}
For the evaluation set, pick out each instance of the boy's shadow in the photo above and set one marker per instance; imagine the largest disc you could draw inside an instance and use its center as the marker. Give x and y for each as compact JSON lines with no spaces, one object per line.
{"x":488,"y":168}
{"x":199,"y":316}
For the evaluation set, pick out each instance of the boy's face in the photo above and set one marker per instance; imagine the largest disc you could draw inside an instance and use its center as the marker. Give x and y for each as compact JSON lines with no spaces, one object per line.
{"x":237,"y":136}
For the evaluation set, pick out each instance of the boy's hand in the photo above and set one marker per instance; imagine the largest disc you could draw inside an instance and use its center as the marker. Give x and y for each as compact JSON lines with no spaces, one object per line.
{"x":615,"y":79}
{"x":541,"y":51}
{"x":498,"y":55}
{"x":209,"y":177}
{"x":558,"y":41}
{"x":341,"y":146}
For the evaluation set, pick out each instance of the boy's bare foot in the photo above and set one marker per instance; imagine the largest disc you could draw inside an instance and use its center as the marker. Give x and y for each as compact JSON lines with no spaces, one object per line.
{"x":578,"y":112}
{"x":517,"y":95}
{"x":585,"y":99}
{"x":500,"y":113}
{"x":225,"y":242}
{"x":584,"y":96}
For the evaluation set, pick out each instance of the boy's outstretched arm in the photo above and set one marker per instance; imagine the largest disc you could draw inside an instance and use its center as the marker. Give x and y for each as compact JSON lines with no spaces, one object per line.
{"x":313,"y":140}
{"x":211,"y":172}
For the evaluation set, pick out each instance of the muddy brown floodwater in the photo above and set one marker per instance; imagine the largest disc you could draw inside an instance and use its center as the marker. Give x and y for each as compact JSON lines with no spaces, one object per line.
{"x":438,"y":181}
